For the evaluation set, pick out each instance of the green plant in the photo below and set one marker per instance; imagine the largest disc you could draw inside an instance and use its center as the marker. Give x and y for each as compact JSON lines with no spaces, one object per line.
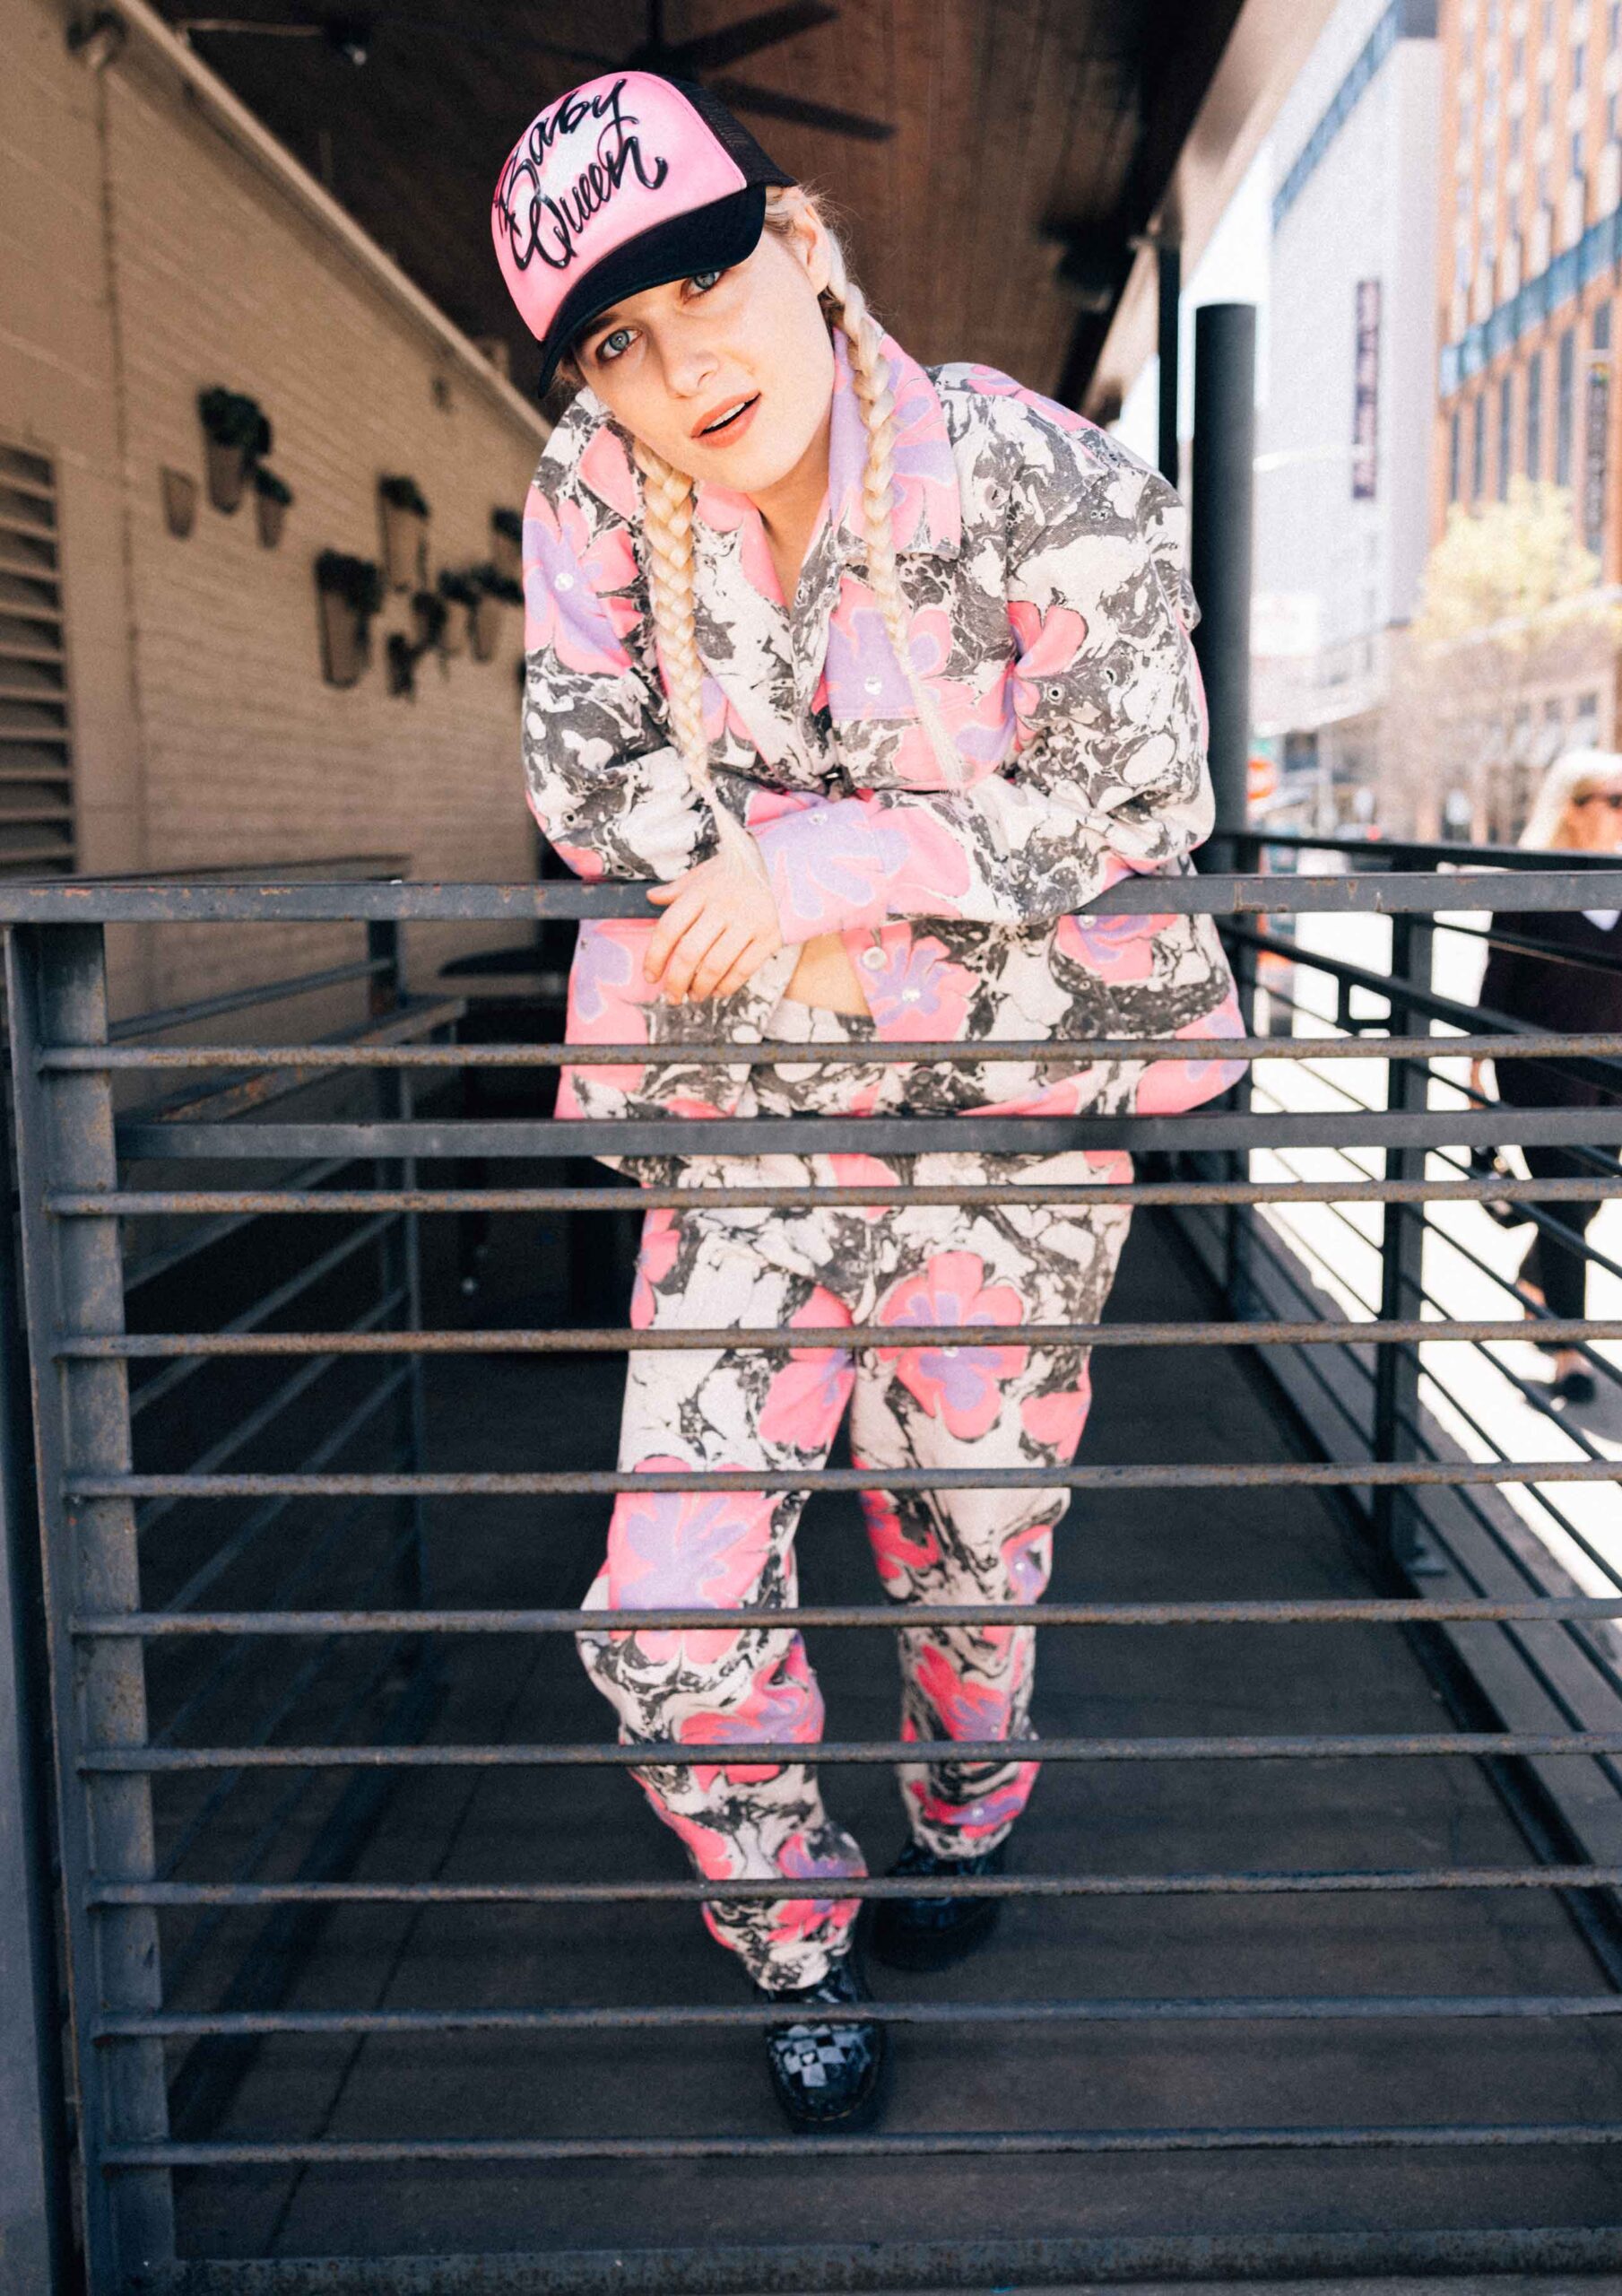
{"x":403,"y":493}
{"x":232,"y":419}
{"x":356,"y":580}
{"x":268,"y":484}
{"x":457,"y":589}
{"x":508,"y":523}
{"x":500,"y":586}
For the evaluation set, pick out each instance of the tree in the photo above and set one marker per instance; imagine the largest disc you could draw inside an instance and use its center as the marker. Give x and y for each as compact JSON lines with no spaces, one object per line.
{"x":1510,"y":609}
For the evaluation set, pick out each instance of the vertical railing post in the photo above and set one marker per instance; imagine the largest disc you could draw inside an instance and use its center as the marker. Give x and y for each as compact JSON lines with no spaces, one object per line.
{"x":35,"y":2232}
{"x":56,"y":978}
{"x":1396,"y":1525}
{"x":402,"y":1245}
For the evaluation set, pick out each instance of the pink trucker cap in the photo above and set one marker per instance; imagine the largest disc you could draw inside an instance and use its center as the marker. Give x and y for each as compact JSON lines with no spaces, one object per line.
{"x":623,"y":183}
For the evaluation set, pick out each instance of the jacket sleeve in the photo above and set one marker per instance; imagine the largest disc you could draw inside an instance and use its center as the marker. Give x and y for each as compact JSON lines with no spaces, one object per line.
{"x":603,"y":777}
{"x":1108,"y":771}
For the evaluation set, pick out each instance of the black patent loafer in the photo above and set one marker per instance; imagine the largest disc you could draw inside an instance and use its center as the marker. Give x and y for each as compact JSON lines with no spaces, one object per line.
{"x":828,"y":2076}
{"x":924,"y":1933}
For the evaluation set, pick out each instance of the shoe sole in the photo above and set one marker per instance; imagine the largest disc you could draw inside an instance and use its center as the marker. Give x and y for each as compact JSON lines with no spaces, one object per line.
{"x":937,"y":1952}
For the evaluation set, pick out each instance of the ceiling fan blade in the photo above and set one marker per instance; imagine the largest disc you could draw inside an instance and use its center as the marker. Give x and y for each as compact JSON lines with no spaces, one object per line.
{"x":770,"y":105}
{"x":709,"y":51}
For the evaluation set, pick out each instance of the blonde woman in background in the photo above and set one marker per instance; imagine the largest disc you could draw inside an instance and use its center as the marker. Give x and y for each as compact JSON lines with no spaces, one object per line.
{"x":1577,"y":985}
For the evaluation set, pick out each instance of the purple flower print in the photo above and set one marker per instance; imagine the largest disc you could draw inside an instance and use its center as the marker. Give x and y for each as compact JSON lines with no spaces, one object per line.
{"x":607,"y":977}
{"x":962,"y":1387}
{"x":1113,"y":948}
{"x":567,"y":581}
{"x":922,"y":995}
{"x":794,"y":1919}
{"x":684,"y":1548}
{"x":894,"y":1557}
{"x":826,"y":868}
{"x":865,"y":679}
{"x":1170,"y":1086}
{"x":990,"y":1813}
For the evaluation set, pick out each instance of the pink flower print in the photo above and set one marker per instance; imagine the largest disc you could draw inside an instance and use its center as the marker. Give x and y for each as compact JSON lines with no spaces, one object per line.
{"x":966,"y":1707}
{"x":580,"y":859}
{"x":995,"y":384}
{"x":826,"y":869}
{"x":960,"y":1386}
{"x":807,"y":1397}
{"x":721,"y":717}
{"x":1048,"y":644}
{"x":863,"y":1171}
{"x":783,"y":1706}
{"x":763,"y":805}
{"x":684,"y":1104}
{"x":607,"y":996}
{"x":921,"y":856}
{"x":1061,"y":1098}
{"x":865,"y":679}
{"x":686,"y":1550}
{"x":661,"y":1242}
{"x":568,"y":585}
{"x":896,"y":1557}
{"x":921,"y":994}
{"x":606,"y":467}
{"x":1028,"y":1559}
{"x":795,"y":1918}
{"x":926,"y":494}
{"x":1056,"y":1420}
{"x":727,"y":511}
{"x":708,"y":1847}
{"x":1171,"y":1086}
{"x":1113,"y":948}
{"x":988,"y":1815}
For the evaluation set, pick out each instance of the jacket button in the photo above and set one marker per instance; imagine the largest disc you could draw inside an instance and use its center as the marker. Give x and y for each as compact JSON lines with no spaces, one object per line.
{"x":873,"y":685}
{"x":874,"y":959}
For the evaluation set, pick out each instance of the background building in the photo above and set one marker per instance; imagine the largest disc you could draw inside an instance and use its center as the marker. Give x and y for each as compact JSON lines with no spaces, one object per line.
{"x":1532,"y":229}
{"x":1342,"y":431}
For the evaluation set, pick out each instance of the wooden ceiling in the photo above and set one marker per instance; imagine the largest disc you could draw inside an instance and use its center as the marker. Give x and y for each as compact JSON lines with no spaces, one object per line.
{"x":1033,"y":140}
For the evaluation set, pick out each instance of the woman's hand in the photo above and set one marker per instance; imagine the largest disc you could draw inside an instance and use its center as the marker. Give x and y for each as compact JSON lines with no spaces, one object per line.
{"x":720,"y":926}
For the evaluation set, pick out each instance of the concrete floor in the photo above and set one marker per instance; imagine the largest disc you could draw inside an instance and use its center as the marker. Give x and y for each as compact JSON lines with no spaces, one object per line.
{"x":516,"y":1412}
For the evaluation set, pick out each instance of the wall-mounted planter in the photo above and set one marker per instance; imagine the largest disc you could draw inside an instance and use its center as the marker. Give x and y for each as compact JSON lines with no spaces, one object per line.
{"x":180,"y":489}
{"x":430,"y":614}
{"x":405,"y":533}
{"x":349,"y":592}
{"x":496,"y":590}
{"x":460,"y":595}
{"x":401,"y":658}
{"x":272,"y":499}
{"x":506,"y":543}
{"x":235,"y":435}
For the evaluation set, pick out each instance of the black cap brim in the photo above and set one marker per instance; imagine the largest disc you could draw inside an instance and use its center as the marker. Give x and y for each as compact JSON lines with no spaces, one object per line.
{"x":704,"y":239}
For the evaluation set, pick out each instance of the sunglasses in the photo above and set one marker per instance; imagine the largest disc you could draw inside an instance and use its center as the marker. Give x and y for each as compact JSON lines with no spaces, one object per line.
{"x":1611,"y":797}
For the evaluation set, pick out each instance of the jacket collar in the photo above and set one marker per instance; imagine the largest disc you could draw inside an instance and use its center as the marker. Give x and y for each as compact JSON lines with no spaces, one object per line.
{"x":927,"y":513}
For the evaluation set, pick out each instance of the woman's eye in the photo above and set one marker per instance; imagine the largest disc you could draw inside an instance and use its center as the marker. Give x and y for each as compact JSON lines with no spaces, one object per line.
{"x":616,"y":341}
{"x":702,"y":280}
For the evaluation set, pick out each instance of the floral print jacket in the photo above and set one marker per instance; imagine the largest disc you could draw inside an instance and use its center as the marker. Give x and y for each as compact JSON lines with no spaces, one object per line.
{"x":1050,"y":617}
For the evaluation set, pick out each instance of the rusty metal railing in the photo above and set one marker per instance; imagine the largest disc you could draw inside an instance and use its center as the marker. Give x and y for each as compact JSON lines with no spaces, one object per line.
{"x":1544,"y":1701}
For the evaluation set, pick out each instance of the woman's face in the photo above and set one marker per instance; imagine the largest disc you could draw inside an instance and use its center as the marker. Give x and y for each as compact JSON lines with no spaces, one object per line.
{"x":1593,"y":819}
{"x":750,"y":344}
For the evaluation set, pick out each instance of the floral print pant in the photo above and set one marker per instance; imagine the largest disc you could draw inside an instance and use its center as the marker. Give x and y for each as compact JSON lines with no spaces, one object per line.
{"x":996,"y":1403}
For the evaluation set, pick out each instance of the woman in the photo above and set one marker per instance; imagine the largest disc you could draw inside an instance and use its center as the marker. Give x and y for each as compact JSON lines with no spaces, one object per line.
{"x":1578,"y":984}
{"x":885,"y":673}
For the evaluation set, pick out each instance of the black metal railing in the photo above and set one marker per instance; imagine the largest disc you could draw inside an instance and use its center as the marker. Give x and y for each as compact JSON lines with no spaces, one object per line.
{"x":238,"y":1675}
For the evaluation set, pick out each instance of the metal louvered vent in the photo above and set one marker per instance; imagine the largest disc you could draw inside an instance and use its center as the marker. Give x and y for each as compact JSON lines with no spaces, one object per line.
{"x":36,"y":738}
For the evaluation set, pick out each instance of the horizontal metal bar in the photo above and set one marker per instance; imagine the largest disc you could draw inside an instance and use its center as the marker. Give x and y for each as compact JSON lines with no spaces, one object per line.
{"x":1285,"y":1474}
{"x":239,"y":1000}
{"x":894,"y":1617}
{"x":877,"y":1135}
{"x":142,"y":1202}
{"x":1418,"y":892}
{"x":381,"y":2152}
{"x":892,"y":1338}
{"x":1355,"y":1883}
{"x":73,"y":1059}
{"x":724,"y":1754}
{"x":687,"y":2017}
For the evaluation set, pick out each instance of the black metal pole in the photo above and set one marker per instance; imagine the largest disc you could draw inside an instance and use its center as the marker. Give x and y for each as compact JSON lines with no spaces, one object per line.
{"x":1225,"y":431}
{"x":1169,"y":261}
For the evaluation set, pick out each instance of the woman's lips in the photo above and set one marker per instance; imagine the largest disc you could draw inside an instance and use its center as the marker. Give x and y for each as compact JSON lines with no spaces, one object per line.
{"x":735,"y":428}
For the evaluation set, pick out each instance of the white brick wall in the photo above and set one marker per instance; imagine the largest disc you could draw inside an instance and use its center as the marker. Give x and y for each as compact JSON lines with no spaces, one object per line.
{"x":145,"y":258}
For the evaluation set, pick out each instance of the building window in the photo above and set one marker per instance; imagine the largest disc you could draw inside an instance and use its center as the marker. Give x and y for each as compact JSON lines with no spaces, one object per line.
{"x":1544,"y":104}
{"x":1514,"y":135}
{"x":1534,"y":415}
{"x":1576,"y":152}
{"x":1601,"y":336}
{"x":1517,"y":56}
{"x":1507,"y":419}
{"x":1613,"y":24}
{"x":1565,"y":408}
{"x":1610,"y":119}
{"x":1549,"y":22}
{"x":1454,"y":436}
{"x":1579,"y":63}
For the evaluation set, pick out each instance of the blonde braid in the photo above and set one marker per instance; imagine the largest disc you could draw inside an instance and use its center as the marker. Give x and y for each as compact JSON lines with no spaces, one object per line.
{"x":870,"y":378}
{"x":667,"y":522}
